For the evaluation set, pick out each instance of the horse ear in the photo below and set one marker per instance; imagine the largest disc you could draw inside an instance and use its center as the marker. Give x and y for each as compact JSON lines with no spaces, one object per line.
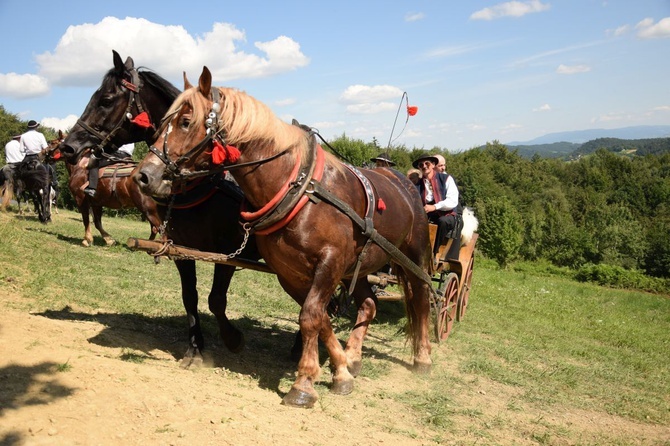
{"x":130,"y":63}
{"x":60,"y":134}
{"x":118,"y":63}
{"x":205,"y":82}
{"x":187,"y":84}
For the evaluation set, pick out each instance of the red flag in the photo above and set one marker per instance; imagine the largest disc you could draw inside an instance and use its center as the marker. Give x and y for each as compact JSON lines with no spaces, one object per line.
{"x":412,"y":109}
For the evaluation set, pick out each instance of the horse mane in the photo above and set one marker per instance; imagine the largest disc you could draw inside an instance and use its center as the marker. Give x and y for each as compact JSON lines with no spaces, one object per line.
{"x":158,"y":82}
{"x":244,"y":119}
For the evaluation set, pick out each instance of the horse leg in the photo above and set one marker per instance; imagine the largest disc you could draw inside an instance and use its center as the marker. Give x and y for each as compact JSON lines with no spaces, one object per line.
{"x":97,"y":221}
{"x":366,"y":301}
{"x":315,"y":325}
{"x":85,"y":210}
{"x":218,"y":300}
{"x":189,"y":296}
{"x":417,"y":300}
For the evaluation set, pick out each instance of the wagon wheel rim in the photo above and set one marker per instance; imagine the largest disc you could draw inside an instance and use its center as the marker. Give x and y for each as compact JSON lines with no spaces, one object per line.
{"x":447,"y":308}
{"x":464,"y":297}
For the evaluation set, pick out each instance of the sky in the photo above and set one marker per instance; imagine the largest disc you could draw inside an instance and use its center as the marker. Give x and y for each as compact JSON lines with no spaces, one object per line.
{"x":478,"y":71}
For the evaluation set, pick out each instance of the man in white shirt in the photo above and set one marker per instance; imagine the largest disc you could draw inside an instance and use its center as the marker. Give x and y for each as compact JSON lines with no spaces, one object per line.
{"x":33,"y":142}
{"x":13,"y":156}
{"x":123,"y":153}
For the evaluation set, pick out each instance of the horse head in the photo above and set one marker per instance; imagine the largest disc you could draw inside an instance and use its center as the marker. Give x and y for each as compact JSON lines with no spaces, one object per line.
{"x":120,"y":111}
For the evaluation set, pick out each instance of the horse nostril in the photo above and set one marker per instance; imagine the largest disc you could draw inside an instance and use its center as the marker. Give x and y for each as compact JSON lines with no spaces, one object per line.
{"x":141,"y":178}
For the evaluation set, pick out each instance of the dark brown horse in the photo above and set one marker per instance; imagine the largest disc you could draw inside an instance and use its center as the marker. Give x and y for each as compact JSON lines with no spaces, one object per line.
{"x":297,"y":197}
{"x":105,"y":124}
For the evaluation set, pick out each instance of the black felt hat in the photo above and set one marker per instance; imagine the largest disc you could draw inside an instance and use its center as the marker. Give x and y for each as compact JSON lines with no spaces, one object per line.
{"x":422,"y":157}
{"x":384,"y":158}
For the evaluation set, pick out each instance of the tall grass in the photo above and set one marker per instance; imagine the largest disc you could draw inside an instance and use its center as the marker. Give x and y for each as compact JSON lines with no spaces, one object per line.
{"x":544,"y":343}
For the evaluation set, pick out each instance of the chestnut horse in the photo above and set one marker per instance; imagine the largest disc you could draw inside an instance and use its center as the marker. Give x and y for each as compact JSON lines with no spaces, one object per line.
{"x":105,"y":123}
{"x":311,"y":240}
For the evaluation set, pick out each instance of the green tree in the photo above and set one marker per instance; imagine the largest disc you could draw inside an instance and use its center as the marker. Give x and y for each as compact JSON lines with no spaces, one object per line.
{"x":500,"y":230}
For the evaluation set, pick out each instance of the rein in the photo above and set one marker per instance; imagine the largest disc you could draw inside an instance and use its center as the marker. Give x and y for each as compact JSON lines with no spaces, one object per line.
{"x":133,"y":86}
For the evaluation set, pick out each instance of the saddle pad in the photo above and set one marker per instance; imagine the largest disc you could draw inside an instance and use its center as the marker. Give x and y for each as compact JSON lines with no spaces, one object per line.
{"x":117,"y":170}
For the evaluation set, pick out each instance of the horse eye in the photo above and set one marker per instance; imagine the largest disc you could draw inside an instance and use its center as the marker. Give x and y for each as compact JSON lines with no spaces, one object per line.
{"x":106,"y":101}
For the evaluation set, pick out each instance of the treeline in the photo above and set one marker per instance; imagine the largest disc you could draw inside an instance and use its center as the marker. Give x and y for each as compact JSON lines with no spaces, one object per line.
{"x":605,"y":215}
{"x":603,"y":209}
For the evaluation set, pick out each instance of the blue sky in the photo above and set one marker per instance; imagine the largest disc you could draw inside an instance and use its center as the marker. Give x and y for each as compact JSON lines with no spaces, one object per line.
{"x":477,"y":70}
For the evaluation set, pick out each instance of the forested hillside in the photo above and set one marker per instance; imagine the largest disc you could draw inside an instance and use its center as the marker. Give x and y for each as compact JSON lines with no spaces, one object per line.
{"x":602,"y":209}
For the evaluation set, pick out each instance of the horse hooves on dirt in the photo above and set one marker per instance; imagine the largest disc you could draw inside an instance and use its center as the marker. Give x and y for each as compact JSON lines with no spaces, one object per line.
{"x":421,"y":368}
{"x":355,"y":367}
{"x":299,"y":398}
{"x":234,"y":341}
{"x":342,"y":387}
{"x":192,"y":359}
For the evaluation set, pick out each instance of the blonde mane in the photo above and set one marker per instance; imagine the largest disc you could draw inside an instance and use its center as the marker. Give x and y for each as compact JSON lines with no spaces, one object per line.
{"x":243,"y":119}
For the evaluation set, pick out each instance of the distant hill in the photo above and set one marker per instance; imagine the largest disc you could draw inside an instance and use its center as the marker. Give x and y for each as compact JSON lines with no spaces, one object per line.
{"x":553,"y":150}
{"x":567,"y":151}
{"x":581,"y":136}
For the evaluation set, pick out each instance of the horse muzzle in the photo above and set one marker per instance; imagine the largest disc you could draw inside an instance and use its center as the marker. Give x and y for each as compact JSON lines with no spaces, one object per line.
{"x":151,"y":182}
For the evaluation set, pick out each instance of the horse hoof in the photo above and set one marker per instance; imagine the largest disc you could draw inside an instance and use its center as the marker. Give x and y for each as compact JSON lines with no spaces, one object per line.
{"x":192,"y":359}
{"x":421,"y":368}
{"x":355,"y":367}
{"x":342,"y":387}
{"x":85,"y":243}
{"x":234,"y":342}
{"x":110,"y":242}
{"x":299,"y":398}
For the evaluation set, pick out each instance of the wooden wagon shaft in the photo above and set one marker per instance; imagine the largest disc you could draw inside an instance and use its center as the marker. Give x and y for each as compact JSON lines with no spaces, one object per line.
{"x":182,"y":252}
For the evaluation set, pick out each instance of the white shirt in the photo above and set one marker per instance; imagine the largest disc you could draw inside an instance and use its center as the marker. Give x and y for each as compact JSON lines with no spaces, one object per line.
{"x":128,"y":148}
{"x":13,"y":152}
{"x":33,"y":142}
{"x":450,"y":201}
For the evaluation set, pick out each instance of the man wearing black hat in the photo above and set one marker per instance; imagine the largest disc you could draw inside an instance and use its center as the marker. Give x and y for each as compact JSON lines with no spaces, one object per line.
{"x":33,"y":142}
{"x":382,"y":160}
{"x":440,"y":199}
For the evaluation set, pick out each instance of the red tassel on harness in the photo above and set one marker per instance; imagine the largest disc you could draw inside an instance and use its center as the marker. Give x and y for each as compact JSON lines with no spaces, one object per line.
{"x":381,"y":205}
{"x":220,"y":153}
{"x":142,"y":120}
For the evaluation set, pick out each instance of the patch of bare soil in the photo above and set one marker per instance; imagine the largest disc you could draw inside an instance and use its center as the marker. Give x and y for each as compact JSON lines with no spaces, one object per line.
{"x":75,"y":381}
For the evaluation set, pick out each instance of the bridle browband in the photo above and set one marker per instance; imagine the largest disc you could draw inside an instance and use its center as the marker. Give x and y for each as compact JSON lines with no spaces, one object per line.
{"x":133,"y":86}
{"x":214,"y":133}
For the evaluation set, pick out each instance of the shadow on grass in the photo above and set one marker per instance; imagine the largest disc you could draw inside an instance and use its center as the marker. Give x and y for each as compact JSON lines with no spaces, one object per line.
{"x":266,"y":356}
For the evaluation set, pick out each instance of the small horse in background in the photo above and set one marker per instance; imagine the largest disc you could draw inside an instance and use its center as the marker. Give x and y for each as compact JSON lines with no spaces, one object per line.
{"x":116,"y":190}
{"x":31,"y":181}
{"x":302,"y":203}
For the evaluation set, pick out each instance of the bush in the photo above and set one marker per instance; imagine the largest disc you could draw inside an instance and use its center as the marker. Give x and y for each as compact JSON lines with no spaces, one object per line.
{"x":618,"y":277}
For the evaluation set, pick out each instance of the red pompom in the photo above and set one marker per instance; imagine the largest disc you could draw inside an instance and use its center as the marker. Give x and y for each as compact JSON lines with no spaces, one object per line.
{"x":142,"y":120}
{"x":220,"y":154}
{"x":412,"y":109}
{"x":381,"y":205}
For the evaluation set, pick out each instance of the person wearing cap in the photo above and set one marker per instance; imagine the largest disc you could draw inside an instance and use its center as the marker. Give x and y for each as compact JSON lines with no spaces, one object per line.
{"x":32,"y":142}
{"x":414,"y":175}
{"x":439,"y":195}
{"x":441,"y":165}
{"x":13,"y":157}
{"x":122,"y":154}
{"x":382,"y":160}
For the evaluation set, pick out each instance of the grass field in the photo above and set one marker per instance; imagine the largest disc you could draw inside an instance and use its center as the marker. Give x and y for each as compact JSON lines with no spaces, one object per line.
{"x":548,"y":343}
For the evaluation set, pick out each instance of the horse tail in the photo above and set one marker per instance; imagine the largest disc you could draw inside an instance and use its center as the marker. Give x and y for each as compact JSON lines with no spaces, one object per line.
{"x":470,"y":225}
{"x":7,"y":194}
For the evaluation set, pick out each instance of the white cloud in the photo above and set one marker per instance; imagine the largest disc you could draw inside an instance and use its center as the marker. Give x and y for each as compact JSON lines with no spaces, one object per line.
{"x":285,"y":102}
{"x":662,"y":108}
{"x":566,"y":69}
{"x":510,"y":9}
{"x":414,"y":16}
{"x":371,"y":108}
{"x":22,"y":86}
{"x":544,"y":107}
{"x":83,"y":54}
{"x":648,"y":30}
{"x":364,"y":94}
{"x":328,"y":124}
{"x":620,"y":31}
{"x":64,"y":124}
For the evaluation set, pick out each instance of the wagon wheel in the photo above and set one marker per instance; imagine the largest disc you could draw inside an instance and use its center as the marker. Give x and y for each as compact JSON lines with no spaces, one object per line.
{"x":446,"y":308}
{"x":465,"y":292}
